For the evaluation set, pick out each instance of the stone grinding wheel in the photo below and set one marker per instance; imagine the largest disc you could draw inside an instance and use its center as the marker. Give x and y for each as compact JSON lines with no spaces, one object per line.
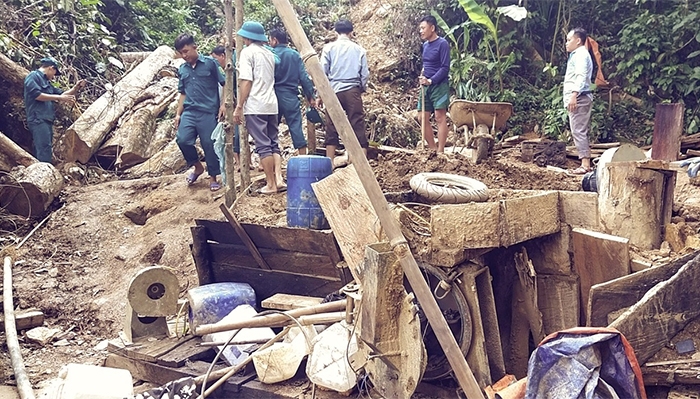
{"x":153,"y":292}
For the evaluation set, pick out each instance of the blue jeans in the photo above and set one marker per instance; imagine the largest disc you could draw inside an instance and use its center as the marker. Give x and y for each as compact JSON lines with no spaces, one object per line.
{"x":289,"y":107}
{"x":193,"y":124}
{"x":42,"y":134}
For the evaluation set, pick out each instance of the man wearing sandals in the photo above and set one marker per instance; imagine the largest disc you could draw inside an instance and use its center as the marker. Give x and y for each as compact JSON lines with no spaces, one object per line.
{"x":257,"y":103}
{"x":197,"y":107}
{"x":577,"y":95}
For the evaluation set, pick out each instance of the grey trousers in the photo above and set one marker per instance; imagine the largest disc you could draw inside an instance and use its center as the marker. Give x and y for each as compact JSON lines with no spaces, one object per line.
{"x":579,"y":122}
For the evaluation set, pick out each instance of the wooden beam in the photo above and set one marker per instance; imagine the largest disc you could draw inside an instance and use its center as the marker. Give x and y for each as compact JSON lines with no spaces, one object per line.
{"x":668,"y":128}
{"x":598,"y":258}
{"x":201,"y":255}
{"x":625,"y":291}
{"x":244,"y":237}
{"x":230,"y":104}
{"x":25,"y":319}
{"x":663,"y":311}
{"x":288,"y":302}
{"x":389,"y":224}
{"x":242,"y":129}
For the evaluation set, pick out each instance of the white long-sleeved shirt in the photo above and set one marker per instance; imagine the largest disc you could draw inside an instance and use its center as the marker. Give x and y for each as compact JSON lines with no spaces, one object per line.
{"x":345,"y":64}
{"x":579,"y":70}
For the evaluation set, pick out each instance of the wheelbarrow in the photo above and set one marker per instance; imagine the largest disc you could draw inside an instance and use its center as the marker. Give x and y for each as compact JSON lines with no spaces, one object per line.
{"x":480,"y":121}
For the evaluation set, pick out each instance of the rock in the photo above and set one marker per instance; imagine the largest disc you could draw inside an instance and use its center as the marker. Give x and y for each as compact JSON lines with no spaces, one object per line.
{"x":63,"y":342}
{"x":53,"y":272}
{"x":42,"y":335}
{"x":137,"y":214}
{"x":101,"y":346}
{"x":665,"y":249}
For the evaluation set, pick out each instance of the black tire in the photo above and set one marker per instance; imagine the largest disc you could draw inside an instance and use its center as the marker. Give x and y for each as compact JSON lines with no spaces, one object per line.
{"x":482,"y":150}
{"x":448,"y":188}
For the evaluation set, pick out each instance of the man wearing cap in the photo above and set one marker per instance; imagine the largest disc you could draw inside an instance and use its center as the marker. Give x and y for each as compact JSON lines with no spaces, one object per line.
{"x":197,"y":109}
{"x":435,"y":88}
{"x":39,"y":96}
{"x":345,"y":65}
{"x":289,"y":74}
{"x":257,"y":103}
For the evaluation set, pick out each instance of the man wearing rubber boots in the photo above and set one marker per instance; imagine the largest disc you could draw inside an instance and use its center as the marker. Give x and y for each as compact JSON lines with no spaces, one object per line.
{"x":578,"y":99}
{"x":289,"y":74}
{"x":435,"y":88}
{"x":197,"y":107}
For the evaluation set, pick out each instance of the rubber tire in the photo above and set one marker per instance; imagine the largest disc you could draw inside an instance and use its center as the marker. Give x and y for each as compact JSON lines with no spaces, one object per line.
{"x":482,"y":150}
{"x":448,"y":188}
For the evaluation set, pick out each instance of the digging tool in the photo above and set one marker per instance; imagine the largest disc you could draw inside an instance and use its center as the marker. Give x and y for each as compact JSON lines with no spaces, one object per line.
{"x":391,"y":226}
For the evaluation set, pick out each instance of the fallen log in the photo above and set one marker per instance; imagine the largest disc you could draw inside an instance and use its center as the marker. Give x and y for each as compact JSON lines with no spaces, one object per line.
{"x":129,"y":144}
{"x":30,"y":190}
{"x":169,"y":160}
{"x":84,"y":137}
{"x":129,"y":57}
{"x":12,"y":155}
{"x":164,"y":133}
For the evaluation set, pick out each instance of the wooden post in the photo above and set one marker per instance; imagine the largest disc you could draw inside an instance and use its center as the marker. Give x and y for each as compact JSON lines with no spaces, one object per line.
{"x":230,"y":194}
{"x":243,"y":132}
{"x":668,"y":128}
{"x":244,"y":237}
{"x":24,"y":386}
{"x":391,"y":226}
{"x":311,"y":137}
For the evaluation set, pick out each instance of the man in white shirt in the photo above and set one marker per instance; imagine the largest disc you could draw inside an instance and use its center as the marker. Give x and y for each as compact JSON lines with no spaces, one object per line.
{"x":578,"y":99}
{"x":258,"y":104}
{"x":345,"y":65}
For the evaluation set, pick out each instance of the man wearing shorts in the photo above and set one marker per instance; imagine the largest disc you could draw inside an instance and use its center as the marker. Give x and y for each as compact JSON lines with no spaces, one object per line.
{"x":435,"y":88}
{"x":345,"y":65}
{"x":258,"y":104}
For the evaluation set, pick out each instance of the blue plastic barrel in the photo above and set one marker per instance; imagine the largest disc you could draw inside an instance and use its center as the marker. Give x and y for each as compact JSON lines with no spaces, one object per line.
{"x":303,"y":209}
{"x":212,"y":302}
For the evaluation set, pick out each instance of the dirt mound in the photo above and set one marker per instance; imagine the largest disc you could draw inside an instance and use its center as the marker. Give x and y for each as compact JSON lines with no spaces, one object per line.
{"x":393,"y":171}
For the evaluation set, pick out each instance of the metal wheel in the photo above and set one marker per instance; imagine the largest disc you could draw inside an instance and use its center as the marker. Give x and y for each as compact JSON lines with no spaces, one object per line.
{"x":455,"y":309}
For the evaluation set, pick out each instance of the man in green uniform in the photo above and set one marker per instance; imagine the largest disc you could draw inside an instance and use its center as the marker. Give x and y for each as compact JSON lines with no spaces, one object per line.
{"x":198,"y":108}
{"x":39,"y":96}
{"x":289,"y":74}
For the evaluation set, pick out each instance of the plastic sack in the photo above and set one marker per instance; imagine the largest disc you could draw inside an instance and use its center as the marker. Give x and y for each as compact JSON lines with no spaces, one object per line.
{"x":218,"y":136}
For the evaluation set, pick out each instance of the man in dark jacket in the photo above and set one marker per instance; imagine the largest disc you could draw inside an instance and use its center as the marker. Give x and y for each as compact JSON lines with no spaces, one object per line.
{"x":39,"y":96}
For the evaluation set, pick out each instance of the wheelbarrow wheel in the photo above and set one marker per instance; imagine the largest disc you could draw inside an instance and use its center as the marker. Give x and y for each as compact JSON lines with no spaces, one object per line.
{"x":448,"y":188}
{"x":482,"y":149}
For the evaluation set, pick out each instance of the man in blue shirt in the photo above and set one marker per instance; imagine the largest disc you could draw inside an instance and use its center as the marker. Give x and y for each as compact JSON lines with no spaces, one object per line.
{"x":39,"y":96}
{"x":345,"y":65}
{"x":435,"y":88}
{"x":578,"y":98}
{"x":198,"y":108}
{"x":289,"y":74}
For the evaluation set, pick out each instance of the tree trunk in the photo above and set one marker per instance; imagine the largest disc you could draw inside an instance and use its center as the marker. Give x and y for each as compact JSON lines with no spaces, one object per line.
{"x":84,"y":137}
{"x":229,"y":168}
{"x":243,"y":131}
{"x":130,"y":57}
{"x":129,"y":144}
{"x":12,"y":155}
{"x":169,"y":160}
{"x":30,"y":191}
{"x":164,"y":134}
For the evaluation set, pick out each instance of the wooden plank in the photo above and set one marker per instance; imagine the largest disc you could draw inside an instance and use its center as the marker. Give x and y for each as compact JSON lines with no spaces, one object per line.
{"x":319,"y":242}
{"x":668,"y":128}
{"x":267,"y":283}
{"x":189,"y":351}
{"x":145,"y":349}
{"x":598,"y":258}
{"x":294,"y":262}
{"x":288,"y":302}
{"x":579,"y":209}
{"x":350,"y":214}
{"x":605,"y":145}
{"x":245,"y":238}
{"x":201,"y":255}
{"x":558,"y":300}
{"x":529,"y":217}
{"x":663,"y":311}
{"x":625,"y":291}
{"x":473,"y":225}
{"x":527,"y":278}
{"x":25,"y":319}
{"x":668,"y":376}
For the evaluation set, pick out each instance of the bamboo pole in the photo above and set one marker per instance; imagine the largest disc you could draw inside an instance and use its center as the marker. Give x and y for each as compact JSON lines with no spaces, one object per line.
{"x":274,"y":319}
{"x":454,"y":355}
{"x":243,"y":132}
{"x":24,"y":386}
{"x":230,"y":194}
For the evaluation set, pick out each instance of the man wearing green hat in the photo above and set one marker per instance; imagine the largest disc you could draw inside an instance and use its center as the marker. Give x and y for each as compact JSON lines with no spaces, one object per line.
{"x":198,"y":108}
{"x":289,"y":74}
{"x":257,"y":103}
{"x":39,"y":96}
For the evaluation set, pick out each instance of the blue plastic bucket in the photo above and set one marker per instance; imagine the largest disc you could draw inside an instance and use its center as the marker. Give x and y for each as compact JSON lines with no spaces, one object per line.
{"x":303,"y":209}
